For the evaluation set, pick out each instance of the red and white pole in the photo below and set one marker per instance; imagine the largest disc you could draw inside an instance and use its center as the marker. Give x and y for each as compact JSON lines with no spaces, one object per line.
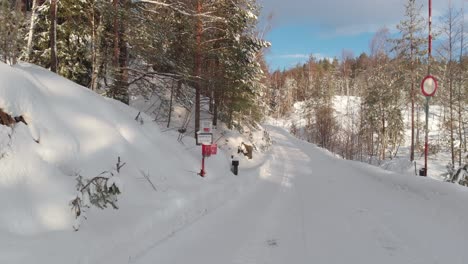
{"x":426,"y":144}
{"x":202,"y":172}
{"x":430,"y":30}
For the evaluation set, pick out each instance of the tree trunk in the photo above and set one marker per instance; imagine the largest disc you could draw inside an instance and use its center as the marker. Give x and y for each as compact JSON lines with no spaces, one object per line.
{"x":216,"y":93}
{"x":450,"y":76}
{"x":170,"y":105}
{"x":95,"y":40}
{"x":460,"y":89}
{"x":412,"y":98}
{"x":383,"y":136}
{"x":460,"y":124}
{"x":412,"y":121}
{"x":231,"y":122}
{"x":119,"y":91}
{"x":53,"y":35}
{"x":32,"y":25}
{"x":417,"y":127}
{"x":123,"y":64}
{"x":197,"y":67}
{"x":116,"y":32}
{"x":215,"y":109}
{"x":452,"y":147}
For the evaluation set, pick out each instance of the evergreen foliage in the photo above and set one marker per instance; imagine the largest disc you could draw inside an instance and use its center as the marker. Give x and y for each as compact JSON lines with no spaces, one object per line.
{"x":12,"y":30}
{"x":100,"y":191}
{"x":122,"y":48}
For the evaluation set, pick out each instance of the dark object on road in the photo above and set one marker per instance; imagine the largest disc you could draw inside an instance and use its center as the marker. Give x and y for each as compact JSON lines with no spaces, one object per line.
{"x":234,"y":165}
{"x":422,"y":172}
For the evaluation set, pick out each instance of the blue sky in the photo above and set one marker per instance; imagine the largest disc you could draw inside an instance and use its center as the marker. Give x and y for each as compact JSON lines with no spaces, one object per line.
{"x":294,"y":44}
{"x":325,"y":28}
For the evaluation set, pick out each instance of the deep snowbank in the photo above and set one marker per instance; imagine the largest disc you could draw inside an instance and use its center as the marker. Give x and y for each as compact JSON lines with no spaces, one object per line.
{"x":80,"y":132}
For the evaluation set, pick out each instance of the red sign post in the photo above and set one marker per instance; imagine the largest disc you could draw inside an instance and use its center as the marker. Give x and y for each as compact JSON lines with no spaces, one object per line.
{"x":428,"y":88}
{"x":207,"y":151}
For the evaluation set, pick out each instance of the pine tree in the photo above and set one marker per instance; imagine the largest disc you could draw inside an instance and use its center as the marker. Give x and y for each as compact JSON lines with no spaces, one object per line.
{"x":410,"y":47}
{"x":11,"y":31}
{"x":236,"y":49}
{"x":71,"y":43}
{"x":381,"y":106}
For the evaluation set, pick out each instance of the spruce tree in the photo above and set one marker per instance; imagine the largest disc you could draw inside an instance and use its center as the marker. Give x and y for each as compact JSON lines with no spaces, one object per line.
{"x":12,"y":28}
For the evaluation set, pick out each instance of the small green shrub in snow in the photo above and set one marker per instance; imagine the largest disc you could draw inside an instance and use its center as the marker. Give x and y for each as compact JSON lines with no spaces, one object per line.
{"x":99,"y":191}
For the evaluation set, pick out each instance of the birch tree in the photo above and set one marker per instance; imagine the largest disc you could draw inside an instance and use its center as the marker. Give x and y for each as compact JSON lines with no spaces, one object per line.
{"x":451,"y":32}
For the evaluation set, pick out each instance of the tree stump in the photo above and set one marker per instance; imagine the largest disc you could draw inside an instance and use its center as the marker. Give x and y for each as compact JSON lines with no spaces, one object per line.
{"x":8,"y":120}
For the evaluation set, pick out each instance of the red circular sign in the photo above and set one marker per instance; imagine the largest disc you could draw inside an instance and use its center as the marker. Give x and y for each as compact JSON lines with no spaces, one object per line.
{"x":429,"y":85}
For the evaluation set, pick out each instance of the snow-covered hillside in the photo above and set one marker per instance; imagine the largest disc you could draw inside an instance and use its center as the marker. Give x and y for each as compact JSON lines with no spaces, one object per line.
{"x":72,"y":131}
{"x":346,"y":112}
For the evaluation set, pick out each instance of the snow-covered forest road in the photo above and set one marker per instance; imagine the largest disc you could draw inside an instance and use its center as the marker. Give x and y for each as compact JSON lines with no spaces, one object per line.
{"x":310,"y":207}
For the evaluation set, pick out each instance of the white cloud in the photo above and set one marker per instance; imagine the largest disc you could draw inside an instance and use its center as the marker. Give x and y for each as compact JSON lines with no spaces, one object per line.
{"x":302,"y":57}
{"x":293,"y":56}
{"x":344,"y":17}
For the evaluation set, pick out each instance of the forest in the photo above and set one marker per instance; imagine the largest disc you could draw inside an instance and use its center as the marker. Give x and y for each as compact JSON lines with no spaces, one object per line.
{"x":122,"y":49}
{"x":387,"y":85}
{"x":192,"y":51}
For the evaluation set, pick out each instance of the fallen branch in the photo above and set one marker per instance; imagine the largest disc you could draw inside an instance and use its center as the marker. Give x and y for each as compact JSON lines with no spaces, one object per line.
{"x":146,"y":176}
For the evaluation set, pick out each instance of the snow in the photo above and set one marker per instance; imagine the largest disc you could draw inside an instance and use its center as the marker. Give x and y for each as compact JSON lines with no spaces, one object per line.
{"x":346,"y":113}
{"x":310,"y":207}
{"x":294,"y":203}
{"x":81,"y":133}
{"x":117,"y":182}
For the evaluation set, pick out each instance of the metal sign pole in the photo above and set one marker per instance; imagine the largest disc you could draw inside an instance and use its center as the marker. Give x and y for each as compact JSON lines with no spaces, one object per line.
{"x":426,"y":144}
{"x":202,"y":172}
{"x":430,"y":36}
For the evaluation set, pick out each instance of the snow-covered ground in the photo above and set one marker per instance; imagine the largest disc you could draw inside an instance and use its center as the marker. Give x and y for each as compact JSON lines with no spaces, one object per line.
{"x":82,"y":133}
{"x":295,"y":203}
{"x":310,"y":207}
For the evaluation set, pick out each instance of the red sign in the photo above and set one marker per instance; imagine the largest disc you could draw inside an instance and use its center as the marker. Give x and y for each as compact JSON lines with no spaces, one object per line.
{"x":214,"y":149}
{"x":206,"y":150}
{"x":429,"y":86}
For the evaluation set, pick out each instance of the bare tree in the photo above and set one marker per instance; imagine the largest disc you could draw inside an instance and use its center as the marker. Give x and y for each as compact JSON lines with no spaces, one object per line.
{"x":462,"y":71}
{"x":447,"y":51}
{"x":409,"y":46}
